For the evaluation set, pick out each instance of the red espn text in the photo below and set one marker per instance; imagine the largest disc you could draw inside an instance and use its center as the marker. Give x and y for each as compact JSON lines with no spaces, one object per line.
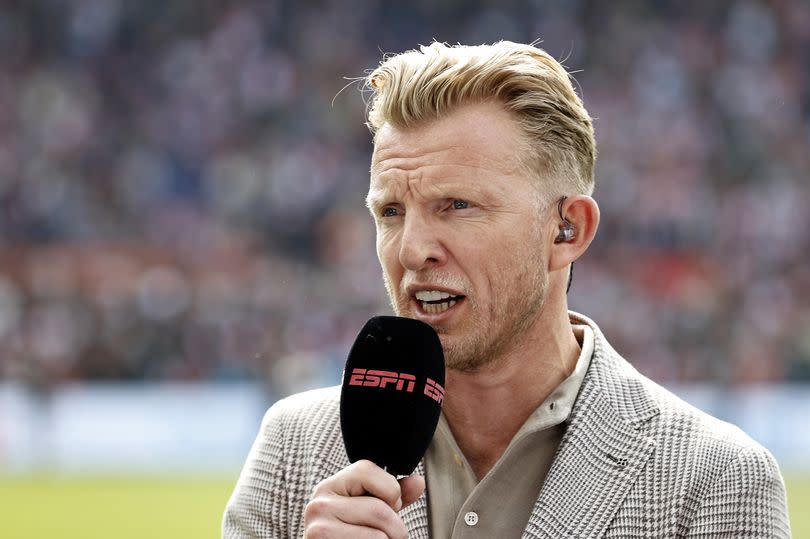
{"x":400,"y":381}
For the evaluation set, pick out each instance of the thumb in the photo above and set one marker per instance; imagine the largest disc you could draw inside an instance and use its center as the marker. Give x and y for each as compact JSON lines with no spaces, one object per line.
{"x":412,"y":487}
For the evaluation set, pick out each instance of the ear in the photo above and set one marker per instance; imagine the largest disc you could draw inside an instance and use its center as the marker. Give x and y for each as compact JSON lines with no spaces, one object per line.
{"x":583,"y":213}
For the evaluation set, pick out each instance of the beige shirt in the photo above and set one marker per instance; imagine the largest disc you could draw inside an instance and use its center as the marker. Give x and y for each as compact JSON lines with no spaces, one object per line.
{"x":459,"y":506}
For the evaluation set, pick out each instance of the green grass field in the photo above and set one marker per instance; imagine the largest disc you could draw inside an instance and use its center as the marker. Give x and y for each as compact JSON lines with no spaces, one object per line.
{"x":105,"y":507}
{"x":798,"y":491}
{"x":180,"y":508}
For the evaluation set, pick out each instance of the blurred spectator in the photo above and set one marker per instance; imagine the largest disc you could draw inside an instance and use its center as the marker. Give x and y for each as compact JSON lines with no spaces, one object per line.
{"x":182,"y":183}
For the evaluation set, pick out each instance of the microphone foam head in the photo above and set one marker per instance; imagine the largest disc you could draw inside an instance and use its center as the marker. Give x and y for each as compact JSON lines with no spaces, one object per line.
{"x":393,"y":389}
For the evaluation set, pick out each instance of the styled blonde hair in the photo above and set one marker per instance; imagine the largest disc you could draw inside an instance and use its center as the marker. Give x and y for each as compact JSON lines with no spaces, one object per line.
{"x":418,"y":86}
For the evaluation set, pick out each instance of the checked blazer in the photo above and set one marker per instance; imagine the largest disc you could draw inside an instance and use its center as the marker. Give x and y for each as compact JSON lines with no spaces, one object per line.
{"x":635,"y":462}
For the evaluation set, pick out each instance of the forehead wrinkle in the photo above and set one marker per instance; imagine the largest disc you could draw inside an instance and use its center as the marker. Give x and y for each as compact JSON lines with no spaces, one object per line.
{"x":438,"y":152}
{"x":457,"y":156}
{"x":465,"y":170}
{"x":403,"y":158}
{"x":396,"y":184}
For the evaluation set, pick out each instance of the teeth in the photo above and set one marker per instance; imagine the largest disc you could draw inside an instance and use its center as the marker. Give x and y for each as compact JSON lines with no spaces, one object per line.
{"x":435,"y":308}
{"x":431,"y":295}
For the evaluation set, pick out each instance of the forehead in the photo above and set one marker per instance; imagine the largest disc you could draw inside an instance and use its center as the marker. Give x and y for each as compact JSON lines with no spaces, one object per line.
{"x":475,"y":140}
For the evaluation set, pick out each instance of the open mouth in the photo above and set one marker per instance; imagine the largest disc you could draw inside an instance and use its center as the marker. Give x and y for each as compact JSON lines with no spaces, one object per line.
{"x":435,"y":301}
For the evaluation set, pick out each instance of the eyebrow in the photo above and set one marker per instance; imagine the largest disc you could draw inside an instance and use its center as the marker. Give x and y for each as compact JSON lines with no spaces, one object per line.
{"x":373,"y":199}
{"x":480,"y":195}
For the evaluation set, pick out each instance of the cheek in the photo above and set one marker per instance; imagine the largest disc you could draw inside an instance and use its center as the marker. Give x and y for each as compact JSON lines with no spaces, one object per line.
{"x":387,"y":254}
{"x":496,"y":263}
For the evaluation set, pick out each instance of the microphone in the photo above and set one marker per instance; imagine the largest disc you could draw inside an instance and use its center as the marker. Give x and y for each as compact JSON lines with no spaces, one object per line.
{"x":392,"y":394}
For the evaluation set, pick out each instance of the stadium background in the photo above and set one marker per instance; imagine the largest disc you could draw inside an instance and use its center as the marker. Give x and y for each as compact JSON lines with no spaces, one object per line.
{"x":183,"y":238}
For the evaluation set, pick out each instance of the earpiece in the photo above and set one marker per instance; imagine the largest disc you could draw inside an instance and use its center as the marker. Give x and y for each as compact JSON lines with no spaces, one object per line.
{"x":567,"y":229}
{"x":567,"y":232}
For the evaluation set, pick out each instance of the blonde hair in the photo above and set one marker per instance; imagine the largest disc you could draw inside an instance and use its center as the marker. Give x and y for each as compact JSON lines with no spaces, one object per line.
{"x":422,"y":85}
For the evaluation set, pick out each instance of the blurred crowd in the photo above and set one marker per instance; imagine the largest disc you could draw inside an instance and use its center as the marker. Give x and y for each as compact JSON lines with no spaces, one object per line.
{"x":182,"y":182}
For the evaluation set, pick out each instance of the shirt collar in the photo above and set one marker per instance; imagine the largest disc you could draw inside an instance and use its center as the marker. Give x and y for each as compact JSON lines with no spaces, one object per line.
{"x":558,"y":405}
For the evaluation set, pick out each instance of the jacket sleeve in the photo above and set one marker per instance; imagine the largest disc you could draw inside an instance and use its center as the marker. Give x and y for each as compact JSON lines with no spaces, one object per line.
{"x":258,"y":507}
{"x":746,"y":500}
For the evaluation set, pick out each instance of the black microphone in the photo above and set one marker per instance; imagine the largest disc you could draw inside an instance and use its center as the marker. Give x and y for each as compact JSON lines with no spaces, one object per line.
{"x":393,"y":388}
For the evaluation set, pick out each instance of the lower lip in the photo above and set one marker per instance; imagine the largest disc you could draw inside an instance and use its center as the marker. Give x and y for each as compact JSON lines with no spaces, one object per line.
{"x":432,"y":318}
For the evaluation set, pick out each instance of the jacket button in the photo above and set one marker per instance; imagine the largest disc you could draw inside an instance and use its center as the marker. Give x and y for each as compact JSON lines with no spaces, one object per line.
{"x":471,"y":518}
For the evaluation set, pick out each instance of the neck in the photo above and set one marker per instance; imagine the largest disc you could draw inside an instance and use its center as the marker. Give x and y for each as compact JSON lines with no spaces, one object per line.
{"x":486,"y":408}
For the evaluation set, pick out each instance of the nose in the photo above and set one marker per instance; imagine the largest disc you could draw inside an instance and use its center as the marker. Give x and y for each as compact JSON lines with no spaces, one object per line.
{"x":421,"y":246}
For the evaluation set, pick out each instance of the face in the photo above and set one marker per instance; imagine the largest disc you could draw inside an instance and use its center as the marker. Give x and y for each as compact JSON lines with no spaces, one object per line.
{"x":459,"y":231}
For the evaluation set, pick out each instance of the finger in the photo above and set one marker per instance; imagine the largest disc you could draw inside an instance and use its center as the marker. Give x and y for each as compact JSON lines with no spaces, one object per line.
{"x":412,"y":488}
{"x":364,"y":477}
{"x":364,"y":511}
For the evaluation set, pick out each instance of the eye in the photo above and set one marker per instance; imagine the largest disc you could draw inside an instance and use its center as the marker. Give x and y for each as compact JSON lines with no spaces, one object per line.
{"x":460,"y":204}
{"x":389,"y":211}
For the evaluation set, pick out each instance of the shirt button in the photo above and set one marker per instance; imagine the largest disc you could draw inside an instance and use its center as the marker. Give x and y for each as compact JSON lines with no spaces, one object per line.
{"x":471,"y":518}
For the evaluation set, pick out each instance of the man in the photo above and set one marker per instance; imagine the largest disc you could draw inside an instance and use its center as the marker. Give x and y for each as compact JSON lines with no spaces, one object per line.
{"x":480,"y":189}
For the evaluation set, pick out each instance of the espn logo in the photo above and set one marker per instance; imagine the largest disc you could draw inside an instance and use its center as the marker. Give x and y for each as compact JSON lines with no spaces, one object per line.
{"x":434,"y":390}
{"x":372,"y":378}
{"x":400,"y":381}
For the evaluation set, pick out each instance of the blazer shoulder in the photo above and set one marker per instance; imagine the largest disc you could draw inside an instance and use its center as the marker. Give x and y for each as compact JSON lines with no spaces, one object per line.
{"x":731,"y":485}
{"x":711,"y":451}
{"x":305,"y":413}
{"x":653,"y":408}
{"x":679,"y":417}
{"x":284,"y":463}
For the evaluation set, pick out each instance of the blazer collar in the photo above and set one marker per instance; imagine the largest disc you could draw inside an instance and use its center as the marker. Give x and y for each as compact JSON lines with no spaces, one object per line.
{"x":415,"y":515}
{"x":602,"y":452}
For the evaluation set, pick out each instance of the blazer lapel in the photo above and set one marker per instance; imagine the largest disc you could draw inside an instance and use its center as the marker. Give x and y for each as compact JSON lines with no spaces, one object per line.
{"x":415,"y":515}
{"x":601,"y":454}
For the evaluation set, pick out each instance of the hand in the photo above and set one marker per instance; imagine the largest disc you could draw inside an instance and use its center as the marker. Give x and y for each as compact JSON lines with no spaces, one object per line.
{"x":361,"y":502}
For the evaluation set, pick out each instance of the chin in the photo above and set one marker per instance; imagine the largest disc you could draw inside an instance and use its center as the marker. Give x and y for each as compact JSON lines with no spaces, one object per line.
{"x":454,"y":356}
